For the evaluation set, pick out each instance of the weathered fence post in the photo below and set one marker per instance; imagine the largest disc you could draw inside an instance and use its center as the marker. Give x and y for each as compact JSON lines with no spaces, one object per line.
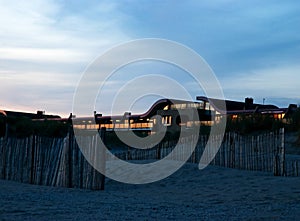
{"x":241,"y":152}
{"x":102,"y":158}
{"x":64,"y":170}
{"x":279,"y":156}
{"x":282,"y":149}
{"x":3,"y":156}
{"x":232,"y":150}
{"x":129,"y":157}
{"x":158,"y":152}
{"x":70,"y":160}
{"x":276,"y":155}
{"x":276,"y":164}
{"x":295,"y":168}
{"x":70,"y":157}
{"x":32,"y":159}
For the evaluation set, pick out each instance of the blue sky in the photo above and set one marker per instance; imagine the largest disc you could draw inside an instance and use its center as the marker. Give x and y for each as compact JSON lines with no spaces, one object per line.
{"x":45,"y":46}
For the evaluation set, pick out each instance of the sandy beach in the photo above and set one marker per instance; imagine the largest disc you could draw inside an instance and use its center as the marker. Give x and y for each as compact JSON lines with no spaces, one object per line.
{"x":214,"y":193}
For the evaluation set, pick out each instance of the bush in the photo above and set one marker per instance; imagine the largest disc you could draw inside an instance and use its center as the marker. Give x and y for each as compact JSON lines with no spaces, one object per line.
{"x":251,"y":123}
{"x":49,"y":128}
{"x":296,"y":120}
{"x":2,"y":126}
{"x":25,"y":127}
{"x":19,"y":126}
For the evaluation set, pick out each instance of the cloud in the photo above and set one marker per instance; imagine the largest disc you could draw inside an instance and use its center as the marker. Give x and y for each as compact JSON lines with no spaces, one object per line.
{"x":230,"y":35}
{"x":281,"y":82}
{"x":50,"y":24}
{"x":45,"y":47}
{"x":253,"y":46}
{"x":42,"y":55}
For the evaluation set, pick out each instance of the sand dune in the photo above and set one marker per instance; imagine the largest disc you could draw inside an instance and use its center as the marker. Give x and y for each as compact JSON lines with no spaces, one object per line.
{"x":214,"y":193}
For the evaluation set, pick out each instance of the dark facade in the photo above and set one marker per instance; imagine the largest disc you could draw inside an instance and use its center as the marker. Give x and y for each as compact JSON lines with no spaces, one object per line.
{"x":235,"y":109}
{"x":169,"y":113}
{"x":175,"y":114}
{"x":17,"y":123}
{"x":237,"y":106}
{"x":34,"y":116}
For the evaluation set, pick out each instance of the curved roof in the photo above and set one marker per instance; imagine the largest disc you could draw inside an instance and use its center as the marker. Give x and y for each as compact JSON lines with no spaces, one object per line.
{"x":32,"y":116}
{"x":158,"y":105}
{"x":235,"y":105}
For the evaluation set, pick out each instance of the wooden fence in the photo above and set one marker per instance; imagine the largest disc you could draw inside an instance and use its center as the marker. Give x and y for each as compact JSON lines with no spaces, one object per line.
{"x":47,"y":161}
{"x":264,"y":152}
{"x":59,"y":161}
{"x":292,"y":167}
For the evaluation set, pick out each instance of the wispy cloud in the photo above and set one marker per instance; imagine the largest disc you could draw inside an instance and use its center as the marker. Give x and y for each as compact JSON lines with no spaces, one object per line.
{"x":265,"y":83}
{"x":253,"y":46}
{"x":43,"y":55}
{"x":44,"y":48}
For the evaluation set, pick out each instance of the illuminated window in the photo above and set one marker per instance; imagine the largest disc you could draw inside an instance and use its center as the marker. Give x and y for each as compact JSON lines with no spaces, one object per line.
{"x":207,"y":106}
{"x":166,"y":120}
{"x":189,"y":123}
{"x":197,"y":123}
{"x":176,"y":106}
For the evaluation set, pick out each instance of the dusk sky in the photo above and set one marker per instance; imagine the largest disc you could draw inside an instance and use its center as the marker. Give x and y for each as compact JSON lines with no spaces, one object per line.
{"x":252,"y":46}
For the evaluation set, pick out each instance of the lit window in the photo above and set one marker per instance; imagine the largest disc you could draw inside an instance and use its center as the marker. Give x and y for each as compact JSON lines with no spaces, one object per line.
{"x":166,"y":120}
{"x":234,"y":116}
{"x":207,"y":106}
